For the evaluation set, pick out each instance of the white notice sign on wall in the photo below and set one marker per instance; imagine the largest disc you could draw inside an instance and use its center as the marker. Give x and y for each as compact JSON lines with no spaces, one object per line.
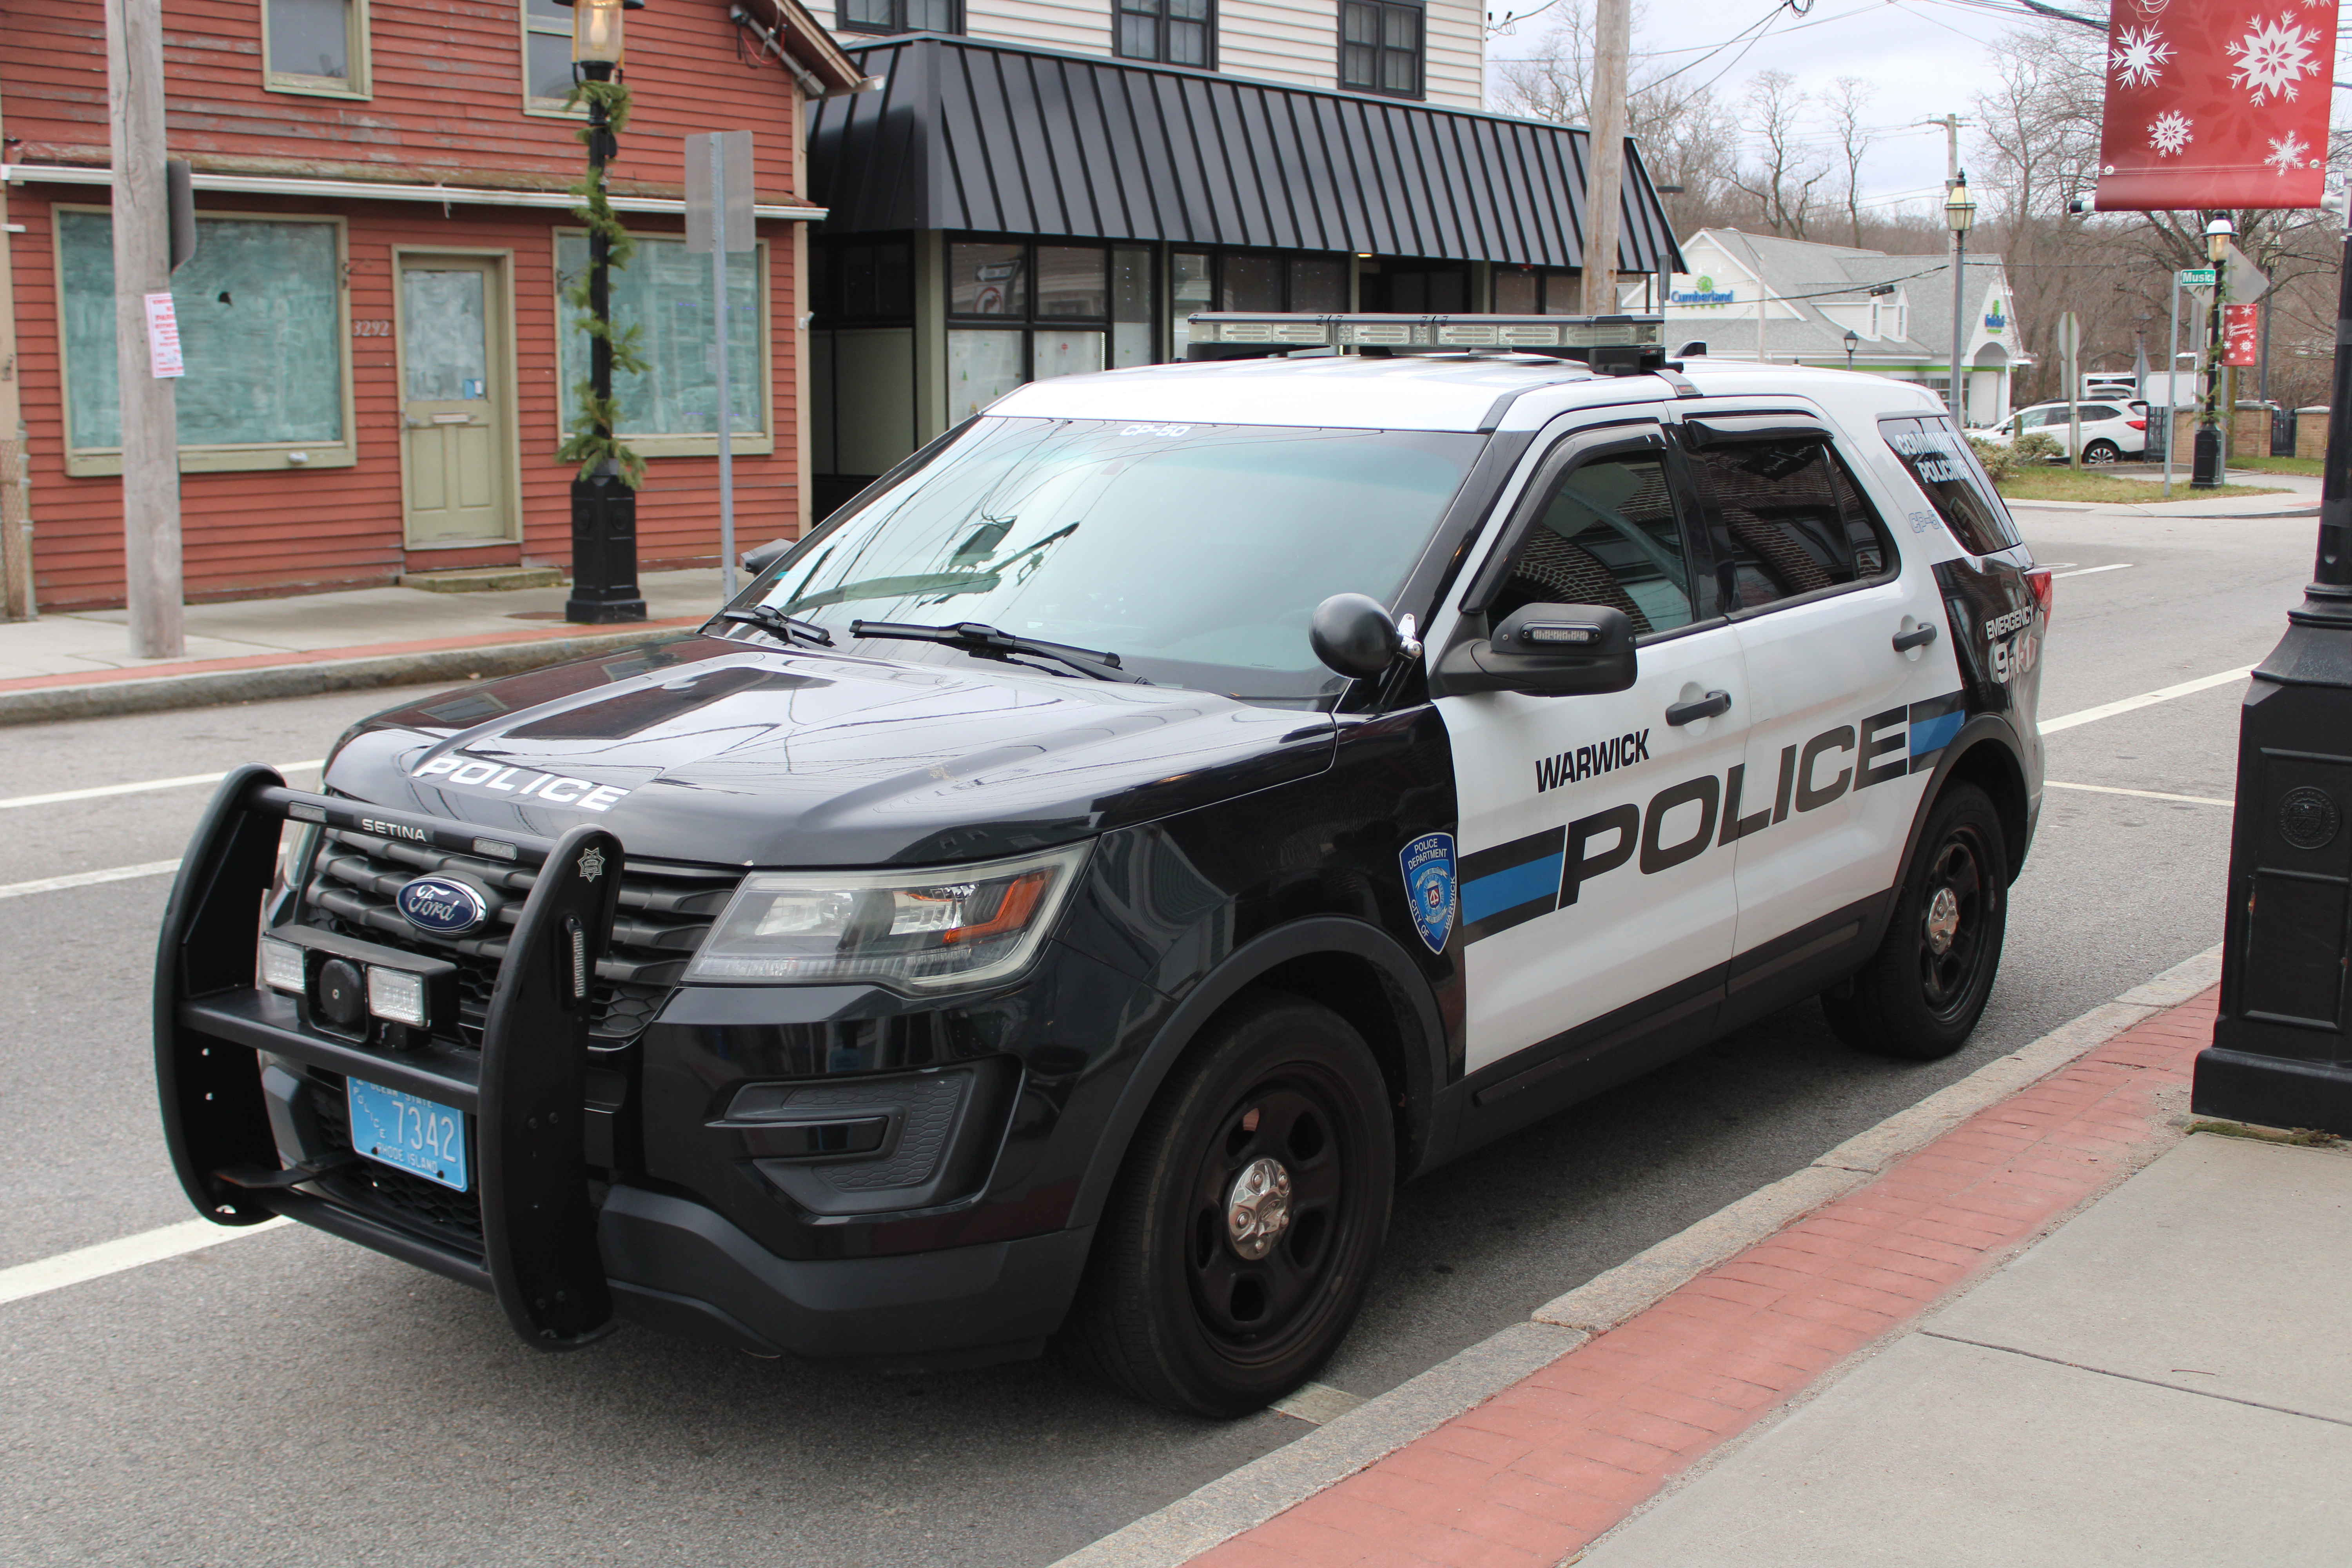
{"x":163,"y":338}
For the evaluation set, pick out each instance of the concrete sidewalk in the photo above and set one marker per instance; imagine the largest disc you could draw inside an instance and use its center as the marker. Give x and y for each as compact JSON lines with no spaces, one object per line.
{"x":2063,"y":1332}
{"x":78,"y":665}
{"x":2164,"y":1380}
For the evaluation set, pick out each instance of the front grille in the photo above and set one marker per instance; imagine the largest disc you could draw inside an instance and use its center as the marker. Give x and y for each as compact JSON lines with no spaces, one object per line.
{"x":365,"y":1185}
{"x":665,"y":911}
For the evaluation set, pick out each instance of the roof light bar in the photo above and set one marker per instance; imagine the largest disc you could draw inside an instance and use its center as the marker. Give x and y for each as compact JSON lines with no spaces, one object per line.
{"x":1229,"y":333}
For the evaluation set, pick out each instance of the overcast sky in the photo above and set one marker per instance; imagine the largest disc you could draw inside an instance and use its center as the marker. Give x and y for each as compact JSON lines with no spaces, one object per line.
{"x":1925,"y":57}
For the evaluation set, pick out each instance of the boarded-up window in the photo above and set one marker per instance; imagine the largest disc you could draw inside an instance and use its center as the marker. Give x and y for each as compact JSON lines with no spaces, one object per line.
{"x":664,"y":293}
{"x":261,"y":314}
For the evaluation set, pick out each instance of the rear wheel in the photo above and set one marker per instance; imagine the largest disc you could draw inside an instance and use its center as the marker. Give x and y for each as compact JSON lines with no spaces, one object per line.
{"x":1240,"y":1238}
{"x":1922,"y":992}
{"x":2102,"y":451}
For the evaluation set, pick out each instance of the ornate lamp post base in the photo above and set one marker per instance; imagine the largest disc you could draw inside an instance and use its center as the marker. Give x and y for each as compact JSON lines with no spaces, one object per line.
{"x":604,"y":553}
{"x":2282,"y":1052}
{"x":2205,"y":470}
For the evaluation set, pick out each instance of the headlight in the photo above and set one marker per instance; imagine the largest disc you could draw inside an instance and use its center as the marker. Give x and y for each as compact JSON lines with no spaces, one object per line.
{"x":915,"y":929}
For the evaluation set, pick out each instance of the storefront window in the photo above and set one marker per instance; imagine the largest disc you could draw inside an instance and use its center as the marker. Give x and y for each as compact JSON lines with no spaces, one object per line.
{"x":988,"y":280}
{"x":1130,"y":306}
{"x":664,"y":293}
{"x":1538,"y":292}
{"x":1244,"y":280}
{"x":1066,"y":301}
{"x":1252,"y":283}
{"x":1318,"y":286}
{"x":261,"y":314}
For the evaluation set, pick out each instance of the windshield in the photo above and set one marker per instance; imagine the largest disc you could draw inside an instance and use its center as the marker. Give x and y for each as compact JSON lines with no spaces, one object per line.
{"x":1195,"y":552}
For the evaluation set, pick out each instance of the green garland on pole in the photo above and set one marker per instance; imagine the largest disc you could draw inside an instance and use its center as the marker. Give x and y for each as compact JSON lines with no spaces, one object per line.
{"x":591,"y":442}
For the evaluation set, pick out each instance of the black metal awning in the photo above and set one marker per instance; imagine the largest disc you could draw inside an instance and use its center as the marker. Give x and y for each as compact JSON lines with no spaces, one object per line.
{"x":989,"y":138}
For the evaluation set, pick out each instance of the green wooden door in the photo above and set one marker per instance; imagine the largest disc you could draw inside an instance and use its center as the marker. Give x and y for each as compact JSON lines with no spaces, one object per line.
{"x":454,"y":403}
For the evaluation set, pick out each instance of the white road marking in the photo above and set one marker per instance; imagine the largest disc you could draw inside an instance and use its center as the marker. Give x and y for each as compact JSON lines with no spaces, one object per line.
{"x":114,"y":1256}
{"x":2140,"y":794}
{"x":182,"y":782}
{"x":89,"y":878}
{"x":2118,"y":566}
{"x":2144,"y":700}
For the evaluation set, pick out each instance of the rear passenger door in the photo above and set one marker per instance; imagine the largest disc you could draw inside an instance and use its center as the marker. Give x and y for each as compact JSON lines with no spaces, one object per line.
{"x":1589,"y":879}
{"x":1831,"y":619}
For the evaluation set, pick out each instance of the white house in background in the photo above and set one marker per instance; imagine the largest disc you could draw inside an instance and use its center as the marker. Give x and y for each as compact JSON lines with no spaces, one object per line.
{"x":1806,"y":298}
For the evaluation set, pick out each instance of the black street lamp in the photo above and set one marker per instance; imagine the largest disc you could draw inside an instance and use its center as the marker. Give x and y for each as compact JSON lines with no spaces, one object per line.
{"x":2205,"y":471}
{"x":1853,"y":341}
{"x":603,"y":507}
{"x":2282,"y":1051}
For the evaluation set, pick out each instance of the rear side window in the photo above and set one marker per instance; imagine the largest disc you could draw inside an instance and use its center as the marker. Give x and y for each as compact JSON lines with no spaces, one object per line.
{"x":1793,"y":520}
{"x":2098,"y":411}
{"x":1955,"y":481}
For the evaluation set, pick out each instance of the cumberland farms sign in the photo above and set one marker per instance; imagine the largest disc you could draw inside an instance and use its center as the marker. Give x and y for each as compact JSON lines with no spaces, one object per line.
{"x":2213,"y":104}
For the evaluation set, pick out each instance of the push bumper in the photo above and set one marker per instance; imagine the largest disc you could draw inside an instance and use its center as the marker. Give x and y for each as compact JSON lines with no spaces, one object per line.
{"x":565,"y":1257}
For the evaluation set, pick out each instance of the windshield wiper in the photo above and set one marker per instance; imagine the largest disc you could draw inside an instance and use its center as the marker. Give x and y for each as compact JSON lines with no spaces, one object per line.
{"x":988,"y":642}
{"x":773,"y":621}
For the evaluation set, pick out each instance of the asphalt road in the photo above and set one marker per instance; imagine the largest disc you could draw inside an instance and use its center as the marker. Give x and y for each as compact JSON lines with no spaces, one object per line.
{"x":286,"y":1398}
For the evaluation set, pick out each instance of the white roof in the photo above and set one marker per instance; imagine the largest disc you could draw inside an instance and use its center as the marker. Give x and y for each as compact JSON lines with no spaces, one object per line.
{"x":1426,"y":392}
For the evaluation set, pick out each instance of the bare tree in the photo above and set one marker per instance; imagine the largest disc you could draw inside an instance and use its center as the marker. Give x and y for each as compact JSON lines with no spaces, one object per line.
{"x":1785,"y":174}
{"x":1686,"y":136}
{"x":1845,"y":106}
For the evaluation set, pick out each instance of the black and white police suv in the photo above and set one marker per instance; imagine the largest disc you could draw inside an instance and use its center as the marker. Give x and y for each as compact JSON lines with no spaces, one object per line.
{"x":1070,"y":889}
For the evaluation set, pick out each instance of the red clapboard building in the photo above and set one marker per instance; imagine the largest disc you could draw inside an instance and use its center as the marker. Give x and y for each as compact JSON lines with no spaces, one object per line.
{"x":378,"y":355}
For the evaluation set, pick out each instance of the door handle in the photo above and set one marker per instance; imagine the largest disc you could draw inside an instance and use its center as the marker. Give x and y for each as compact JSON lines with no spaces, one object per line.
{"x":1918,"y":637}
{"x":1706,"y":707}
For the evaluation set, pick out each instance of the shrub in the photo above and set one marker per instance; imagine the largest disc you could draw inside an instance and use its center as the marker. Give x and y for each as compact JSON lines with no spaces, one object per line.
{"x":2004,"y":462}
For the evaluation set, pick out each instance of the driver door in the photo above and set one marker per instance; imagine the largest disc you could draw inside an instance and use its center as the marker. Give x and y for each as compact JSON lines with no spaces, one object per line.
{"x":1590,"y":880}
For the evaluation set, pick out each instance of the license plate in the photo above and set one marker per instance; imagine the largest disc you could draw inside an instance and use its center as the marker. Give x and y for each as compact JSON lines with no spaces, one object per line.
{"x":408,"y":1133}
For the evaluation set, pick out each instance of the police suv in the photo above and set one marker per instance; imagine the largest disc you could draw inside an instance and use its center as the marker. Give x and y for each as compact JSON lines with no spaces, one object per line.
{"x":1067,"y":890}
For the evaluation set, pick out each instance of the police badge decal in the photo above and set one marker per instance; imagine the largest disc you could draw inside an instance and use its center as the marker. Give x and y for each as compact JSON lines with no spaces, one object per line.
{"x":1428,"y":864}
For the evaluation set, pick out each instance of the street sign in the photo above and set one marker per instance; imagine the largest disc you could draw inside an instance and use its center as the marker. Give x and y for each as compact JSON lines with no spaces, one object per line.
{"x":2193,"y":278}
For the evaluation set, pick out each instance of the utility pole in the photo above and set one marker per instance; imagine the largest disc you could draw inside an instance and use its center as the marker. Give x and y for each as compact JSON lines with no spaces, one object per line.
{"x":1956,"y":385}
{"x":142,"y":224}
{"x":1604,"y":171}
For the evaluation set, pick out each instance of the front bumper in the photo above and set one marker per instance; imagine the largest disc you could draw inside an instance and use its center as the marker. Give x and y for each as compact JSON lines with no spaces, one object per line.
{"x":567,"y":1243}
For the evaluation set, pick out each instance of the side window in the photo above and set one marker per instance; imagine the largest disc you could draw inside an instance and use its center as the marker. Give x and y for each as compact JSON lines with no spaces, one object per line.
{"x":1607,"y":535}
{"x":1793,"y":520}
{"x":1380,"y":47}
{"x":1955,"y":482}
{"x":2091,"y":411}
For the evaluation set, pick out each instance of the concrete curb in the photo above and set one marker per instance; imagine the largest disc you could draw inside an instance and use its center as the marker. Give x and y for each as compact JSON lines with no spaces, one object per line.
{"x":204,"y":688}
{"x":2161,"y":509}
{"x":1279,"y":1481}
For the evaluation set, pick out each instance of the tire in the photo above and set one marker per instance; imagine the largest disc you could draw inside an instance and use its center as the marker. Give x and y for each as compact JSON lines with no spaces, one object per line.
{"x":1914,"y":999}
{"x":1174,"y":1311}
{"x":2102,"y":451}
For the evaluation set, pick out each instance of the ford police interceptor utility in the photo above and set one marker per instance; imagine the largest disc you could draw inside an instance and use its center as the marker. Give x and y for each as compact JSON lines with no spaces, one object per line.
{"x":1067,"y":890}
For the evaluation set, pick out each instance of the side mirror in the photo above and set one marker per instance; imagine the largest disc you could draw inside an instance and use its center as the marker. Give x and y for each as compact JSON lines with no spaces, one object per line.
{"x":758,"y":561}
{"x":1351,"y":633}
{"x":1559,"y":650}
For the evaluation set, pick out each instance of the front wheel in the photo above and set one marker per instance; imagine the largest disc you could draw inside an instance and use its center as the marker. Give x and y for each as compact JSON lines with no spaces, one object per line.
{"x":1923,"y":991}
{"x":2102,"y":451}
{"x":1239,"y":1241}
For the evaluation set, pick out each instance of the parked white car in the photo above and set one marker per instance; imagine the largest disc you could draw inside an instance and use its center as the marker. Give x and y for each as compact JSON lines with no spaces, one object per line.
{"x":2111,"y":431}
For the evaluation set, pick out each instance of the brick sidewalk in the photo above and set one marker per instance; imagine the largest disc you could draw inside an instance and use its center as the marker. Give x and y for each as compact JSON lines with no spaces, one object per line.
{"x":1551,"y":1464}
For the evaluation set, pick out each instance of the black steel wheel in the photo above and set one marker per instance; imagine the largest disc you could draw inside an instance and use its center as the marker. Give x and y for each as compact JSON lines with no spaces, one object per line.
{"x":2102,"y":451}
{"x":1922,"y":992}
{"x":1239,"y":1241}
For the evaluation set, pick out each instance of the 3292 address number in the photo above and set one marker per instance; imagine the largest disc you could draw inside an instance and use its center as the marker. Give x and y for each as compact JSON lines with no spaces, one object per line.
{"x":371,"y":328}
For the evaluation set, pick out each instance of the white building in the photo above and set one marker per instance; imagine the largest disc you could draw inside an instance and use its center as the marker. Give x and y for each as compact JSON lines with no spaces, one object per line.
{"x":1807,"y":297}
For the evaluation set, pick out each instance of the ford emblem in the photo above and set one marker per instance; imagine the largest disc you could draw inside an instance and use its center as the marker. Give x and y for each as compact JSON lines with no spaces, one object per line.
{"x":441,"y":906}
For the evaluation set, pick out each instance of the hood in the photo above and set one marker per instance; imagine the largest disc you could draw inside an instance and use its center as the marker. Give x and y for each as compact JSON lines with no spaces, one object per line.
{"x":722,"y":752}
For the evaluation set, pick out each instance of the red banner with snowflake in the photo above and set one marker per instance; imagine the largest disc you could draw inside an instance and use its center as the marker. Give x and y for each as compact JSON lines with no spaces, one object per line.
{"x":2216,"y":103}
{"x":2242,"y":332}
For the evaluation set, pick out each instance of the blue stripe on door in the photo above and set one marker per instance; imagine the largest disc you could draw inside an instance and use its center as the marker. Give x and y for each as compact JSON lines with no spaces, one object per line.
{"x":1934,"y":735}
{"x":1522,"y":884}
